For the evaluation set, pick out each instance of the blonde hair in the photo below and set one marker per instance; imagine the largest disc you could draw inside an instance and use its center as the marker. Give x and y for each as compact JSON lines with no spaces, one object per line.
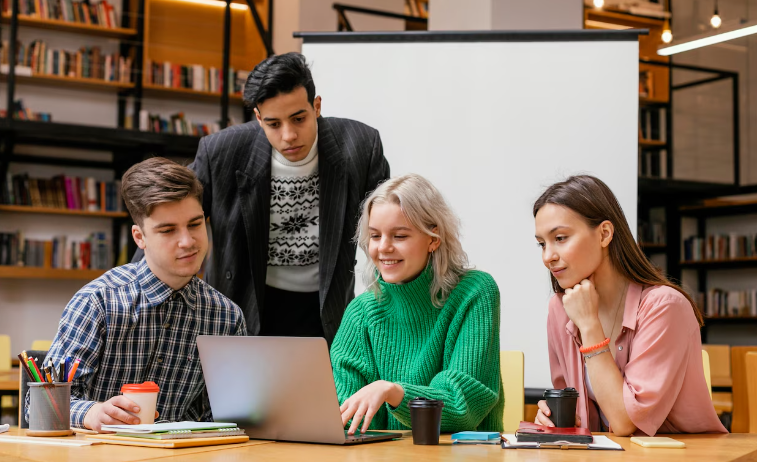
{"x":425,"y":208}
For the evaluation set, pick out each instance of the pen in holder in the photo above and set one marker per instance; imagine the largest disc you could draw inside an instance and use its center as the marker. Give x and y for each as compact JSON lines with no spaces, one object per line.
{"x":49,"y":409}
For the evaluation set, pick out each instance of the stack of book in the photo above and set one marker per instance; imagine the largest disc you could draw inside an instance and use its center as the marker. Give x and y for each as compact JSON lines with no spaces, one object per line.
{"x":37,"y":58}
{"x":719,"y":247}
{"x":85,"y":12}
{"x":722,"y":303}
{"x":176,"y":124}
{"x":92,"y":253}
{"x":62,"y":192}
{"x":23,"y":113}
{"x":193,"y":77}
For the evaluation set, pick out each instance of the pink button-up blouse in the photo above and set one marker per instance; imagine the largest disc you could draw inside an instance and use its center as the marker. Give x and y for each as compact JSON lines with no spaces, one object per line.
{"x":659,"y":354}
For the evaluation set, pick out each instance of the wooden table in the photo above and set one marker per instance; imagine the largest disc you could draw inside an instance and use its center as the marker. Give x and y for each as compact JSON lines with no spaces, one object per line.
{"x":705,"y":448}
{"x":9,"y":382}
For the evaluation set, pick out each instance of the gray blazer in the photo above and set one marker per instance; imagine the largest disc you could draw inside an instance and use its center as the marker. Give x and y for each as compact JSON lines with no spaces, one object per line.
{"x":234,"y":167}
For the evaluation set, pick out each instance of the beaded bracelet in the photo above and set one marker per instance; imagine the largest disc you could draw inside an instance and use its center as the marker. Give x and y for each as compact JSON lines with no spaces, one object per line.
{"x":590,"y":355}
{"x":594,"y":347}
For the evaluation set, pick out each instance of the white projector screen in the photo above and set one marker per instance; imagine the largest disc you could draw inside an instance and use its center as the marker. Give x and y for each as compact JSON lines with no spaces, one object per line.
{"x":491,"y":124}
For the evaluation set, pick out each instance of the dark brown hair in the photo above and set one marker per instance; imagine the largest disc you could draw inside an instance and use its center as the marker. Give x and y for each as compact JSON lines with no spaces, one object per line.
{"x":593,"y":200}
{"x":157,"y":181}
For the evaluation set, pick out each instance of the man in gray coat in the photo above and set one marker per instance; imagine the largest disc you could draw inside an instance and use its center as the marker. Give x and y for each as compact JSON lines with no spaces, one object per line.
{"x":283,"y":195}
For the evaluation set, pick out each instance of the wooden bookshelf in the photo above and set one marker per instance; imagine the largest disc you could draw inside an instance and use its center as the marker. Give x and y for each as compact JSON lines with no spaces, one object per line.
{"x":57,"y":211}
{"x":26,"y":272}
{"x":651,"y":143}
{"x":730,"y":319}
{"x":170,"y":92}
{"x":70,"y":82}
{"x":172,"y":35}
{"x":652,"y":246}
{"x":75,"y":27}
{"x":742,"y":262}
{"x":651,"y":101}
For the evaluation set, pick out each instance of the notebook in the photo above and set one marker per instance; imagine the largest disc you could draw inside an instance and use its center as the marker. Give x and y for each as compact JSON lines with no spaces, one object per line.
{"x":172,"y":444}
{"x":167,"y":427}
{"x":531,"y":432}
{"x":180,"y":434}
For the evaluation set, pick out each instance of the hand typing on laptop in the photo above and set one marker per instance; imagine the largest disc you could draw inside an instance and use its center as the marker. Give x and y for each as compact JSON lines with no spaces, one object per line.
{"x":112,"y":412}
{"x":364,"y":404}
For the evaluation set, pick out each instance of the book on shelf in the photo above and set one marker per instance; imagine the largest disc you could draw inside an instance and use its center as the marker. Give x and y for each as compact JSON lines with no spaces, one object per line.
{"x":653,"y":163}
{"x":176,"y":124}
{"x":719,"y":247}
{"x":193,"y":77}
{"x":728,"y":303}
{"x":646,"y":84}
{"x":652,"y":124}
{"x":60,"y":252}
{"x":61,"y":192}
{"x":23,"y":113}
{"x":37,"y":58}
{"x":100,"y":14}
{"x":651,"y":232}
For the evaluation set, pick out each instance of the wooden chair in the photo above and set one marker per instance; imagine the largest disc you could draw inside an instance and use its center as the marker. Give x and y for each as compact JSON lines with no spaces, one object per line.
{"x":40,"y":345}
{"x":751,"y":380}
{"x":740,"y":422}
{"x":5,"y":365}
{"x":511,"y":365}
{"x":720,"y":364}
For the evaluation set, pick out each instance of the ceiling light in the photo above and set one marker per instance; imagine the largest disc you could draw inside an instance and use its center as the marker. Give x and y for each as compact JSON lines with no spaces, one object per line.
{"x":710,"y":39}
{"x":715,"y":20}
{"x":667,"y":34}
{"x":599,"y":3}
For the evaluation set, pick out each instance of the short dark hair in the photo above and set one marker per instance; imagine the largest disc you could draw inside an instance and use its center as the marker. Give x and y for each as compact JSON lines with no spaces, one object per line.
{"x":157,"y":181}
{"x":278,"y":74}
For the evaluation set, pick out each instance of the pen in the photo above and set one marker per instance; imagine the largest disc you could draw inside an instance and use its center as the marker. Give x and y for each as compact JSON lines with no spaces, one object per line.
{"x":25,"y":367}
{"x":62,"y":373}
{"x":36,"y":369}
{"x":68,"y":366}
{"x":72,"y":374}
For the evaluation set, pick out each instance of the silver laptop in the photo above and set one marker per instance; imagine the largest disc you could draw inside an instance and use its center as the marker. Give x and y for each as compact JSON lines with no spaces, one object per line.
{"x":276,"y":388}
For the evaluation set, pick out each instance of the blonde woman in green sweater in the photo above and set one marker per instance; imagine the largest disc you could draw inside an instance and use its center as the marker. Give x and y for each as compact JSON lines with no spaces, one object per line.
{"x":426,"y":327}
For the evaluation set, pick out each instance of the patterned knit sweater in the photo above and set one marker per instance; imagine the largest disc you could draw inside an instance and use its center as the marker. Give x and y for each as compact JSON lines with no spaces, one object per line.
{"x":450,"y":353}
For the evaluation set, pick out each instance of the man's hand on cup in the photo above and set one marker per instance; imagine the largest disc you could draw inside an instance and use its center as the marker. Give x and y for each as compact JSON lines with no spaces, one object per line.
{"x":112,"y":412}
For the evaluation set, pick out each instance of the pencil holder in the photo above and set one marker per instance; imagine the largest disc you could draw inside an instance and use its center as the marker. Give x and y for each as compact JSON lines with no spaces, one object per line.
{"x":49,"y":409}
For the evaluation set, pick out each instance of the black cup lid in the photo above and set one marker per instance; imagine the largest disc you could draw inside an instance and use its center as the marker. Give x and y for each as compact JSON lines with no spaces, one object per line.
{"x":425,"y":402}
{"x":564,"y":393}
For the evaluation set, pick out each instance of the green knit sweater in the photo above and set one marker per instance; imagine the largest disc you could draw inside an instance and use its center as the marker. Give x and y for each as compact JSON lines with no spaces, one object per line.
{"x":451,"y":354}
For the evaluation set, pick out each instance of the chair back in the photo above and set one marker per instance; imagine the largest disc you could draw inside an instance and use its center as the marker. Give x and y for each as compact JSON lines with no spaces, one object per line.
{"x":5,"y":353}
{"x":720,"y":364}
{"x":5,"y":365}
{"x":511,"y":366}
{"x":740,"y":421}
{"x":42,"y":345}
{"x":751,"y":380}
{"x":40,"y":356}
{"x":706,"y":367}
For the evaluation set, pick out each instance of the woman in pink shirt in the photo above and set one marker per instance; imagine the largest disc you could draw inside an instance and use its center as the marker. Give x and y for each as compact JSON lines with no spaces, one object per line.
{"x":641,"y":368}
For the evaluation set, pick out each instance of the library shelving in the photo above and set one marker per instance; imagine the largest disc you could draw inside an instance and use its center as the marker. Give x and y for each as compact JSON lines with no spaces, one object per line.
{"x":26,"y":272}
{"x":61,"y":211}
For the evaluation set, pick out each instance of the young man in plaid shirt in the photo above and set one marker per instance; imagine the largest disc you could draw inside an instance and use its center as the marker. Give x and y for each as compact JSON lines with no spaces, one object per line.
{"x":139,"y":322}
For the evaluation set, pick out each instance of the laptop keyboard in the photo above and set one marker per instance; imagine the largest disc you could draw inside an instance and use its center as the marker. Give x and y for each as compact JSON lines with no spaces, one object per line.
{"x":363,"y":436}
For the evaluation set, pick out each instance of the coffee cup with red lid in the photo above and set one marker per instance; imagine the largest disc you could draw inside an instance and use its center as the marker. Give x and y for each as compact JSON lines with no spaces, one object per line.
{"x":144,"y":395}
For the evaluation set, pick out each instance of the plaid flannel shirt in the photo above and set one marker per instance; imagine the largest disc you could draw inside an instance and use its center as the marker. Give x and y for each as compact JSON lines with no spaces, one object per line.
{"x":128,"y":326}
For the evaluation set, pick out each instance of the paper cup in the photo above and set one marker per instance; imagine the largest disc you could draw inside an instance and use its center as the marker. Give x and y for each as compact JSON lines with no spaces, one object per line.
{"x":144,"y":395}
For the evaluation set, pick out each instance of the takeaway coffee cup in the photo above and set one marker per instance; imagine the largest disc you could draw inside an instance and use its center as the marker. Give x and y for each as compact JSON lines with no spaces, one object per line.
{"x":145,"y":395}
{"x":562,"y":404}
{"x":426,"y":420}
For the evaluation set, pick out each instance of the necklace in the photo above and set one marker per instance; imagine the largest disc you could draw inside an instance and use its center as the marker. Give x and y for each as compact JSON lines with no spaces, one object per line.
{"x":617,"y":310}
